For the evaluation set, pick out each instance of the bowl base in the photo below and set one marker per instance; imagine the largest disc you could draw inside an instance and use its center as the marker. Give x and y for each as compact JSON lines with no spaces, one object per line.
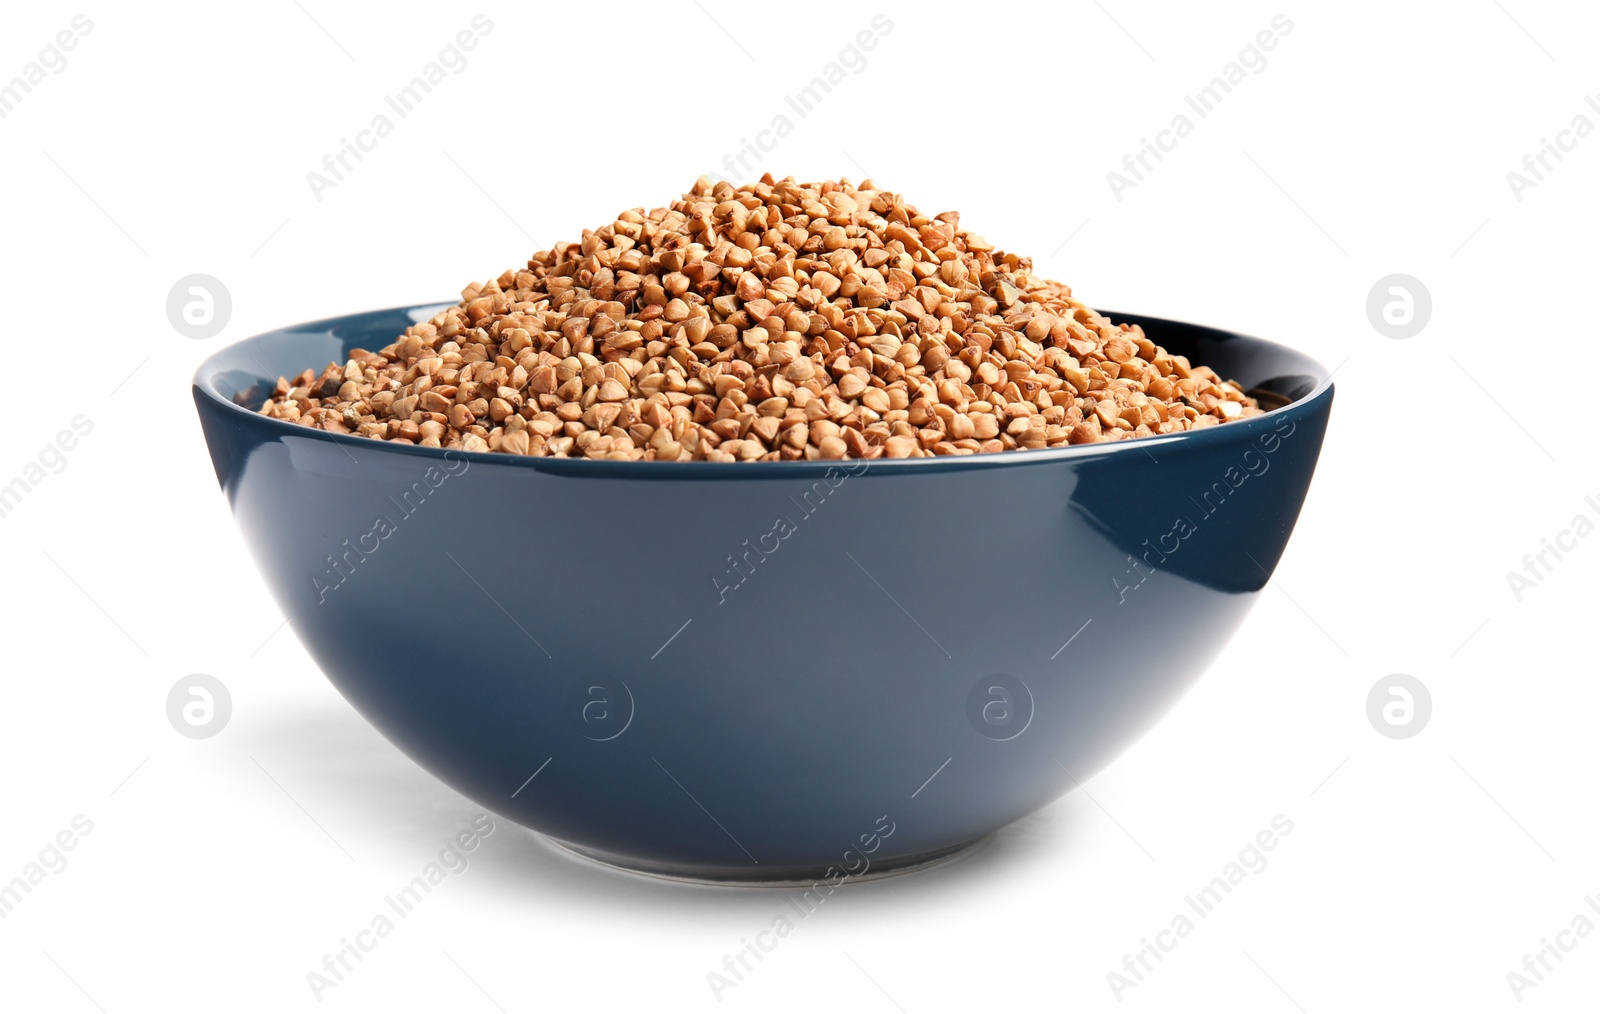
{"x":784,"y":877}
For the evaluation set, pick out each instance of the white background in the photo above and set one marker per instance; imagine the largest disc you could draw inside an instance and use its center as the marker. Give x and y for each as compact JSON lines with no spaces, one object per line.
{"x":1377,"y":140}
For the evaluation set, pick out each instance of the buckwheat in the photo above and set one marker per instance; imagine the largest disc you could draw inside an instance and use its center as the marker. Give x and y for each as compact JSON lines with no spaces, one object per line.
{"x":775,"y":321}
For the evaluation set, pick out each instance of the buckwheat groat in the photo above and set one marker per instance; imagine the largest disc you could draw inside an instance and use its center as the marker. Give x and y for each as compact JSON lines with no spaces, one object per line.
{"x":773,"y":321}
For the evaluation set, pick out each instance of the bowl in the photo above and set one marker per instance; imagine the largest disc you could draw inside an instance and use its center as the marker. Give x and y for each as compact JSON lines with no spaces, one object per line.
{"x":769,"y":672}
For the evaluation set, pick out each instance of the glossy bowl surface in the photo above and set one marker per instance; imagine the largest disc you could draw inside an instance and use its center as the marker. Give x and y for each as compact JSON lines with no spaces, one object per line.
{"x":763,"y":672}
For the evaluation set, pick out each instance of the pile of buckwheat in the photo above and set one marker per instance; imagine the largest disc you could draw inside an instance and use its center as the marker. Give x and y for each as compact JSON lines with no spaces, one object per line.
{"x":767,"y":322}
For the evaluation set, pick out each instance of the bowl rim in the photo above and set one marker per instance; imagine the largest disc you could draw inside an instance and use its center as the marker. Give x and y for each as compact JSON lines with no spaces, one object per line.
{"x":205,"y":375}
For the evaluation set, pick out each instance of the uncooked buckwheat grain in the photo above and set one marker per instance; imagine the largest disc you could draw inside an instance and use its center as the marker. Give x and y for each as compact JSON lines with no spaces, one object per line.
{"x":774,"y":321}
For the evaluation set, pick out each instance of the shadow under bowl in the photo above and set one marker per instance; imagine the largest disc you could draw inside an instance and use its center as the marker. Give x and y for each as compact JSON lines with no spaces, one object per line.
{"x":768,"y":672}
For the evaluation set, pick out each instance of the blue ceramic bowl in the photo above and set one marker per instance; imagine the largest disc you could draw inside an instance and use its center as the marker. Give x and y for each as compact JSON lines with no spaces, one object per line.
{"x":763,"y":672}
